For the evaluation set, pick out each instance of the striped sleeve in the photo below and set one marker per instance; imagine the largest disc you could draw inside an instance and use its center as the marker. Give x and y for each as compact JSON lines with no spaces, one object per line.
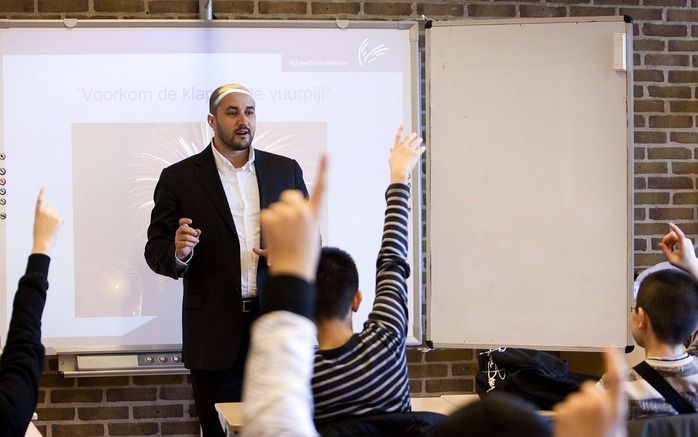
{"x":390,"y":305}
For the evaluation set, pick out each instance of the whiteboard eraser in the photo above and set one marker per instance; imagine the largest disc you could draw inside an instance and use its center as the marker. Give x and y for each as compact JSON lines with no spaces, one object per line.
{"x":619,"y":53}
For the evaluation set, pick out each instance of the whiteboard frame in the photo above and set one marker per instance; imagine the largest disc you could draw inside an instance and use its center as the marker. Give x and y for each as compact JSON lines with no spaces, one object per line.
{"x":629,"y":171}
{"x":415,"y":331}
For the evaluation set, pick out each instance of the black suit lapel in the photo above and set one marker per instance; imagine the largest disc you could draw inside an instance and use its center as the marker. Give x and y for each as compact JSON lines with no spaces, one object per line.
{"x":261,"y":169}
{"x":207,"y":173}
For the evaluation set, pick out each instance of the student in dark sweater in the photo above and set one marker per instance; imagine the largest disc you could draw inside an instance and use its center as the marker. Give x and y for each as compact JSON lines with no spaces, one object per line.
{"x":23,"y":357}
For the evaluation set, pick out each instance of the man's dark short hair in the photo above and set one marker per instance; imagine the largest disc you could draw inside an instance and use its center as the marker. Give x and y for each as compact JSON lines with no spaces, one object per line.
{"x":670,"y":299}
{"x":337,"y":281}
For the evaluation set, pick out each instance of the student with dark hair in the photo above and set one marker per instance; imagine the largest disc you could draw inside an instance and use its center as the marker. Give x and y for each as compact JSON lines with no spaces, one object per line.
{"x":366,"y":373}
{"x":277,"y":396}
{"x":664,"y":315}
{"x":22,"y":359}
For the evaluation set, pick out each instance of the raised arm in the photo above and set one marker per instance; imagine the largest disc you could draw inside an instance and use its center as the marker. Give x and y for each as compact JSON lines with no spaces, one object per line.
{"x":390,"y":305}
{"x":679,"y":250}
{"x":23,"y":357}
{"x":278,"y":400}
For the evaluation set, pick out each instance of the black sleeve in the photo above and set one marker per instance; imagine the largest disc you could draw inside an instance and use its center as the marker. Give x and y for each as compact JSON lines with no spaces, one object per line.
{"x":23,"y":357}
{"x":288,"y":293}
{"x":164,"y":221}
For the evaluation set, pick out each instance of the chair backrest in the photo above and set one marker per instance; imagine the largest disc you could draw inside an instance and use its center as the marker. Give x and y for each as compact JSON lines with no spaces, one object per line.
{"x":664,"y":426}
{"x":414,"y":424}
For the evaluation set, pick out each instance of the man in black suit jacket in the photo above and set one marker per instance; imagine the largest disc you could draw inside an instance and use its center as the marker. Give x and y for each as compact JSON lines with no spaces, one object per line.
{"x":203,"y":228}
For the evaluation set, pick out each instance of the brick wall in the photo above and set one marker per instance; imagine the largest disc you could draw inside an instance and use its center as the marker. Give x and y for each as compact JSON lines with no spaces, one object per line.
{"x":666,"y":111}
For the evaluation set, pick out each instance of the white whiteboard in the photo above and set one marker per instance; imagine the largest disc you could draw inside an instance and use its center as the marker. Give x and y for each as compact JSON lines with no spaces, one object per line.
{"x":529,"y":196}
{"x":95,"y":112}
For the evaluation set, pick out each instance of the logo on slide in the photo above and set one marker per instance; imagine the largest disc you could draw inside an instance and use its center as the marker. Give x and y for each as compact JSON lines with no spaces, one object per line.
{"x":366,"y":55}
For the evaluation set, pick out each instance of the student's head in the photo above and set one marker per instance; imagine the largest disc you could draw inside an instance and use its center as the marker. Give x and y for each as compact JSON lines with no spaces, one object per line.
{"x":232,"y":116}
{"x":496,"y":415}
{"x":337,"y":285}
{"x":668,"y":300}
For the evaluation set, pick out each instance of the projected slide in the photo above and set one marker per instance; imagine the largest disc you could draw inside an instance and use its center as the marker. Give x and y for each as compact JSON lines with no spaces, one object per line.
{"x":96,"y":118}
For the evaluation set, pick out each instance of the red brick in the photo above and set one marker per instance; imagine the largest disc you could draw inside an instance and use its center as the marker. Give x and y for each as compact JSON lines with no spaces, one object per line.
{"x":637,"y":60}
{"x":650,"y":137}
{"x":665,"y":214}
{"x":677,"y":92}
{"x":233,"y":7}
{"x":440,"y":9}
{"x":651,"y":168}
{"x":648,"y":76}
{"x":669,"y":182}
{"x":449,"y":355}
{"x":93,"y":429}
{"x":681,"y":15}
{"x":671,"y":121}
{"x":653,"y":198}
{"x":684,"y":137}
{"x":111,"y":381}
{"x":685,"y":198}
{"x":131,"y":394}
{"x":639,"y":120}
{"x":449,"y":386}
{"x":414,"y":355}
{"x":93,"y":414}
{"x":616,"y":2}
{"x":541,"y":11}
{"x":645,"y":105}
{"x":683,"y":106}
{"x":577,"y":11}
{"x":464,"y":369}
{"x":173,"y":6}
{"x":75,"y":395}
{"x":664,"y":3}
{"x":63,"y":6}
{"x":187,"y":428}
{"x":640,"y":244}
{"x":683,"y":76}
{"x":55,"y":380}
{"x":158,"y":380}
{"x":638,"y":90}
{"x":684,"y":167}
{"x":667,"y":60}
{"x":639,"y":214}
{"x":55,"y":414}
{"x":335,"y":8}
{"x":664,"y":29}
{"x":427,"y":370}
{"x":648,"y":259}
{"x":489,"y":10}
{"x":176,"y":393}
{"x":640,"y":183}
{"x":415,"y":386}
{"x":388,"y":9}
{"x":157,"y":411}
{"x":648,"y":45}
{"x":573,"y":2}
{"x":133,"y":429}
{"x":17,"y":6}
{"x":643,"y":14}
{"x":669,"y":153}
{"x":119,"y":6}
{"x":679,"y":45}
{"x":639,"y":152}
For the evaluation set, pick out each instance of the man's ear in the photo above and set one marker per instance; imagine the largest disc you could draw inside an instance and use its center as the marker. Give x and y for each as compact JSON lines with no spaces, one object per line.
{"x":356,"y":301}
{"x":211,"y":121}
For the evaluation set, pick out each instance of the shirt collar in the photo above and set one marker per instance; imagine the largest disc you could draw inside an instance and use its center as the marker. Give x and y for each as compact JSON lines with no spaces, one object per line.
{"x":225,"y":167}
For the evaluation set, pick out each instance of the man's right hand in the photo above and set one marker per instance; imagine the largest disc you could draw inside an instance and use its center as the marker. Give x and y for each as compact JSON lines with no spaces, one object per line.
{"x":186,"y":238}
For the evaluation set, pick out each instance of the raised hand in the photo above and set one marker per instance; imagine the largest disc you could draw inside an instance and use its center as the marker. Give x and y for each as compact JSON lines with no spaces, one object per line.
{"x":186,"y":238}
{"x":292,"y":232}
{"x":46,"y":225}
{"x":593,"y":412}
{"x":404,"y":155}
{"x":679,"y":250}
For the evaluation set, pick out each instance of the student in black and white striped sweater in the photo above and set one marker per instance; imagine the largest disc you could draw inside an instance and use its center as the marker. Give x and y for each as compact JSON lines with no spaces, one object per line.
{"x":366,"y":373}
